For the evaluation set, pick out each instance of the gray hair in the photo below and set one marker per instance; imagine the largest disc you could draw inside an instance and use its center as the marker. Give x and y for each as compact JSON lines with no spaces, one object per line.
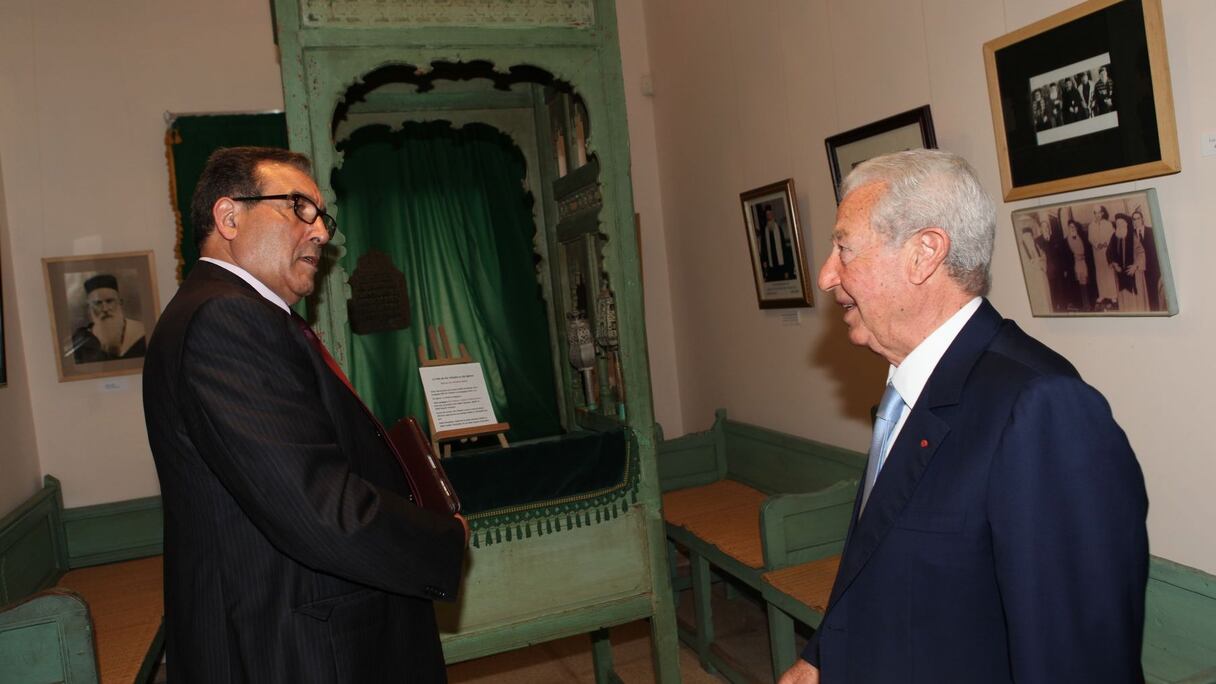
{"x":933,"y":188}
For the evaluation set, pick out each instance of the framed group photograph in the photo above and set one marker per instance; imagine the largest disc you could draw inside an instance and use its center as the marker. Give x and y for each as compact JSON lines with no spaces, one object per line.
{"x":774,"y":242}
{"x":1082,"y":99}
{"x":908,"y":130}
{"x":103,"y":308}
{"x":1102,"y":256}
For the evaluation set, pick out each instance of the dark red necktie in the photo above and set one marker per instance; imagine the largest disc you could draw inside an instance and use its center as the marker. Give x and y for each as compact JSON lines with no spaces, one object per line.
{"x":318,"y":345}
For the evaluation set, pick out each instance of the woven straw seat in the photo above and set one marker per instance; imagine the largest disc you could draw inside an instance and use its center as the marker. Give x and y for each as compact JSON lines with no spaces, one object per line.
{"x":126,"y":604}
{"x":809,"y":583}
{"x":724,"y":513}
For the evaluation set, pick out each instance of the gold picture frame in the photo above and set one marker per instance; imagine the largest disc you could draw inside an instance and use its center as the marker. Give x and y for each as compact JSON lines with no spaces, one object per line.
{"x":103,"y":308}
{"x":774,"y":243}
{"x":1082,"y":99}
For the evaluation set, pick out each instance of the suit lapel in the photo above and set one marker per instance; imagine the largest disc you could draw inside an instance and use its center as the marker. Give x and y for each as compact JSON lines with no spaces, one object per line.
{"x":914,"y":448}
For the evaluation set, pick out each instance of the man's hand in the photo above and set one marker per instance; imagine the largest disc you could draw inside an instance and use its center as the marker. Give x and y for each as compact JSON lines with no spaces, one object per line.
{"x":465,"y":524}
{"x":801,"y":673}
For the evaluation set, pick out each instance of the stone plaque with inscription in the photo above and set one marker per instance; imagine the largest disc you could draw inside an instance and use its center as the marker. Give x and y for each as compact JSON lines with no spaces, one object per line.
{"x":379,"y":301}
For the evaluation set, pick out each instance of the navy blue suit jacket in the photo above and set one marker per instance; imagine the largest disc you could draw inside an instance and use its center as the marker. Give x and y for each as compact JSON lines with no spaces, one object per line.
{"x":1005,"y":538}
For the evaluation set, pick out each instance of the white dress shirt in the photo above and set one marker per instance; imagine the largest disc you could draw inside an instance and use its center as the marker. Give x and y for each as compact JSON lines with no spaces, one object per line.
{"x":253,"y":282}
{"x":910,"y":376}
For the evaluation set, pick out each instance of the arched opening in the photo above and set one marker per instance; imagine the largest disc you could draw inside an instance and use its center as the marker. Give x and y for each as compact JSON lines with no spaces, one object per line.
{"x":449,"y":208}
{"x":510,"y":261}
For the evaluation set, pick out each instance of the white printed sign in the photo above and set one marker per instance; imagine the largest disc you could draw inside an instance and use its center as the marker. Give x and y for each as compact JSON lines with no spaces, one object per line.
{"x":457,"y":396}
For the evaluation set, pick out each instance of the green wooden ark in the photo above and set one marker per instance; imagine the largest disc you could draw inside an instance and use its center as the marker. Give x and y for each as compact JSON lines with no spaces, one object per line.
{"x":552,"y":568}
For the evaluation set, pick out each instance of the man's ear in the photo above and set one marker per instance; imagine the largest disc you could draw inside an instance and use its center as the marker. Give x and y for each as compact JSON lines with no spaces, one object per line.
{"x":224,"y":213}
{"x":929,"y":249}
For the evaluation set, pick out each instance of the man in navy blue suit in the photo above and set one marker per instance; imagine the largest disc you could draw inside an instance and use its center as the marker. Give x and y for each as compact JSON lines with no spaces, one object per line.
{"x":1000,"y":534}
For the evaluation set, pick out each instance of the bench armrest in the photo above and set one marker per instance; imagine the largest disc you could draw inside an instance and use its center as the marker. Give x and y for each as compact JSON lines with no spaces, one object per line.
{"x":692,"y":460}
{"x":797,"y":528}
{"x":47,"y":637}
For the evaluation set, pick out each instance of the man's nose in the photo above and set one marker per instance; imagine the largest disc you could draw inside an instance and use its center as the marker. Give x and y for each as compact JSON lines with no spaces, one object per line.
{"x":828,"y":276}
{"x":318,"y":233}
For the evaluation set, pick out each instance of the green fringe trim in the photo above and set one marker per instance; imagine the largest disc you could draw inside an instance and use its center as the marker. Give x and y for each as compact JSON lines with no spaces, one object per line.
{"x":546,"y":517}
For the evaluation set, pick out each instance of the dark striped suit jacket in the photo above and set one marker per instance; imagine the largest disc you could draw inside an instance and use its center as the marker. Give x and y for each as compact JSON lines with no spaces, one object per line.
{"x":292,"y":553}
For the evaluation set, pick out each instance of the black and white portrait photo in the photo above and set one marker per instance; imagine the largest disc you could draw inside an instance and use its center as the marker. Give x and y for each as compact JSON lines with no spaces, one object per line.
{"x":1073,"y":100}
{"x":772,"y":227}
{"x":106,"y":331}
{"x":103,"y":308}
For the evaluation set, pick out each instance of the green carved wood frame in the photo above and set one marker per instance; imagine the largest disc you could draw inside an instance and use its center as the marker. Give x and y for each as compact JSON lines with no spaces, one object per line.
{"x":320,"y":64}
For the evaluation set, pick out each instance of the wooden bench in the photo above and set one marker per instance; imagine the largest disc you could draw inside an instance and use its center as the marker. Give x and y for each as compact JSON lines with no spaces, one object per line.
{"x":1179,"y":625}
{"x":800,"y":593}
{"x":92,"y":624}
{"x":732,"y":500}
{"x":744,"y":502}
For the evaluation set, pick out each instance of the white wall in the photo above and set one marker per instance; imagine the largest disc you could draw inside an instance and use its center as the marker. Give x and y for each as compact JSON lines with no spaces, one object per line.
{"x":83,"y":90}
{"x":746,"y":94}
{"x":648,"y":202}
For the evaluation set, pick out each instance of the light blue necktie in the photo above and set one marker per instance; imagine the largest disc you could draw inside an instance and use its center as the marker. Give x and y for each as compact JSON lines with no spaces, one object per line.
{"x":884,"y":423}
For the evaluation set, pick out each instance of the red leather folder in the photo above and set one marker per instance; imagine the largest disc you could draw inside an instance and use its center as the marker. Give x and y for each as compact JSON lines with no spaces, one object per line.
{"x":428,"y":482}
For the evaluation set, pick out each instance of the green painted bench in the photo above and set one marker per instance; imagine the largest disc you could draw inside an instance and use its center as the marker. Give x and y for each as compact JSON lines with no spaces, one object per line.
{"x":93,"y":615}
{"x":744,"y":501}
{"x":1179,"y":625}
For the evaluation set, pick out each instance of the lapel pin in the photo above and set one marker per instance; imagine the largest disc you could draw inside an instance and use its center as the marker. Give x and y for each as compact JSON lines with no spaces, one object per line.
{"x":924,"y":443}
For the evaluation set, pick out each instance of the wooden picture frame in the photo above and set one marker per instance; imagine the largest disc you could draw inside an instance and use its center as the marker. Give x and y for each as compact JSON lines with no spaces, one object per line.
{"x":1082,"y":99}
{"x":1078,"y":259}
{"x":908,"y":130}
{"x":111,"y":292}
{"x":774,"y":242}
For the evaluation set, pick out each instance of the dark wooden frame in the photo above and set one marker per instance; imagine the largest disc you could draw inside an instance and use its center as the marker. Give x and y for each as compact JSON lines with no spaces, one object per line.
{"x":921,"y":118}
{"x":769,"y":292}
{"x":1132,"y":34}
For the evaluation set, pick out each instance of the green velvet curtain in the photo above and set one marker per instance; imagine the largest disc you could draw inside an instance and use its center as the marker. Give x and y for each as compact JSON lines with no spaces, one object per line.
{"x":191,"y":139}
{"x":448,"y":206}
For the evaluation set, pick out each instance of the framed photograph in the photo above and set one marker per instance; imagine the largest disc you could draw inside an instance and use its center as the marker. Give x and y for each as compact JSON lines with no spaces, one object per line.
{"x":909,"y":130}
{"x":774,"y":241}
{"x":1082,"y":99}
{"x":1102,"y":256}
{"x":103,"y":308}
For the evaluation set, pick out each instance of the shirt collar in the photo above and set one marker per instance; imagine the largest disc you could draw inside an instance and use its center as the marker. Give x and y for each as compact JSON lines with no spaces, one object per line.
{"x":911,"y":376}
{"x":253,"y":282}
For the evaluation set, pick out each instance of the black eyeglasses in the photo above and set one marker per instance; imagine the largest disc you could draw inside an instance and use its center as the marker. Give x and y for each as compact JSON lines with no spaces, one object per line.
{"x":306,"y":210}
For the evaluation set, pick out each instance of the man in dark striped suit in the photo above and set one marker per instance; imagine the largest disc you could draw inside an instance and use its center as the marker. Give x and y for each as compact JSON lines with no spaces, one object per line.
{"x":292,"y":550}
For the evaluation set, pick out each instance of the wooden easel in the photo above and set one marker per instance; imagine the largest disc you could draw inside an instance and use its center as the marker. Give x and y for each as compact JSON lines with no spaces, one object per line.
{"x":444,"y":357}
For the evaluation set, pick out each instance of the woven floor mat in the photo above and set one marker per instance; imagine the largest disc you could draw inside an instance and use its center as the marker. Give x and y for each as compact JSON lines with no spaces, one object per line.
{"x":724,"y":513}
{"x":810,"y":583}
{"x":126,"y":604}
